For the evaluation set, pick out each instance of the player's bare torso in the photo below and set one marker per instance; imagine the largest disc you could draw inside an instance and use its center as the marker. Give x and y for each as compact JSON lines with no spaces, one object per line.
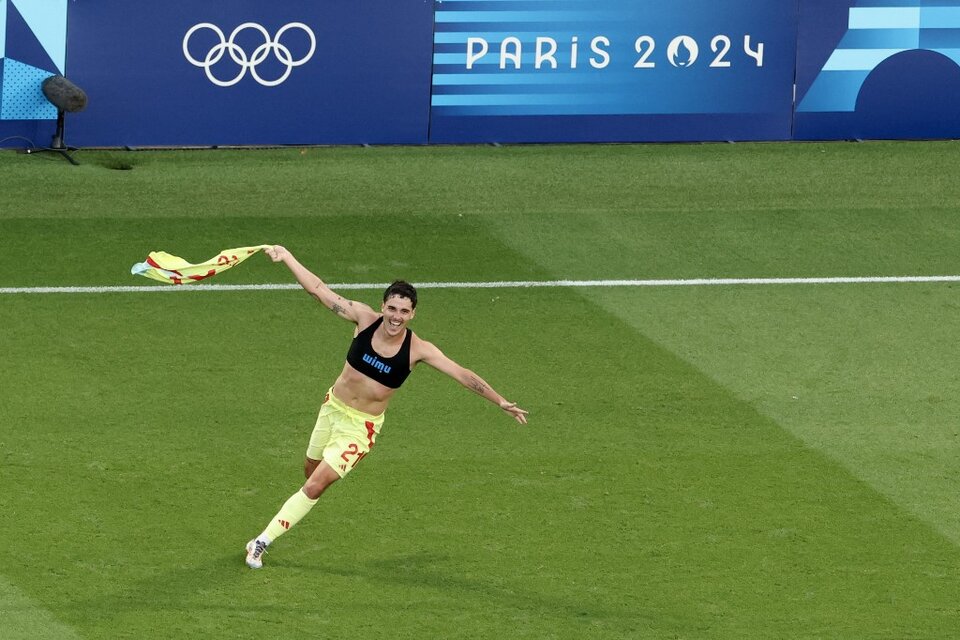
{"x":363,"y":393}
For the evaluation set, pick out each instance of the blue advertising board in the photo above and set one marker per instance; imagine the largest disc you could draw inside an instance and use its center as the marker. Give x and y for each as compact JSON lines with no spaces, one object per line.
{"x":612,"y":70}
{"x":238,"y":72}
{"x":33,"y":40}
{"x":878,"y":69}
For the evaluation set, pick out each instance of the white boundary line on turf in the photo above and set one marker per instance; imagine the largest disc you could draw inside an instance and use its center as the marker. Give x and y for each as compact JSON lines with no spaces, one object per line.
{"x":704,"y":282}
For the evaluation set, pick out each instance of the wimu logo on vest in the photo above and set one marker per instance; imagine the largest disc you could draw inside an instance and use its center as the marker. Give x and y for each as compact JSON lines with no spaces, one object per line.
{"x":376,"y":363}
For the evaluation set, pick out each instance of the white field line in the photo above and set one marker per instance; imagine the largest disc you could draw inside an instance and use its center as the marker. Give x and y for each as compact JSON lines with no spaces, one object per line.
{"x":697,"y":282}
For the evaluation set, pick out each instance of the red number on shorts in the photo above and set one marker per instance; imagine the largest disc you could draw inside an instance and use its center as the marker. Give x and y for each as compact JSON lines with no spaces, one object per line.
{"x":353,"y":450}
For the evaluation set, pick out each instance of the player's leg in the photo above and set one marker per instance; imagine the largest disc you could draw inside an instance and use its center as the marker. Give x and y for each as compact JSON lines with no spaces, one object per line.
{"x":299,"y":504}
{"x":339,"y":441}
{"x":322,"y":477}
{"x":309,"y":464}
{"x":293,"y":511}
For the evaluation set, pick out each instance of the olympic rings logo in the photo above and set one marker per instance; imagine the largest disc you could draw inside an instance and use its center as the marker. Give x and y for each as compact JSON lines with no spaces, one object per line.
{"x":239,"y":56}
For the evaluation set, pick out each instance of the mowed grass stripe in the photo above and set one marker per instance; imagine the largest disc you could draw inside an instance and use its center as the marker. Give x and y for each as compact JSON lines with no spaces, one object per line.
{"x":864,"y":375}
{"x":644,"y":500}
{"x":522,"y":284}
{"x":24,"y":619}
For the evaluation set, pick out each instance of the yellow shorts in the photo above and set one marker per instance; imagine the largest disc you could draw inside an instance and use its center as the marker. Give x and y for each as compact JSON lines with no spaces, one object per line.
{"x":342,"y":435}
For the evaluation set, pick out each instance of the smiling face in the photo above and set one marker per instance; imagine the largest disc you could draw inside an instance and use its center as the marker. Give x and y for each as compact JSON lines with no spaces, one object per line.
{"x":397,"y":312}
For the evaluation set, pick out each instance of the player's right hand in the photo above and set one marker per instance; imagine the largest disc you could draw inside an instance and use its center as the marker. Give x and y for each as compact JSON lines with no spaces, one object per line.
{"x":276,"y":252}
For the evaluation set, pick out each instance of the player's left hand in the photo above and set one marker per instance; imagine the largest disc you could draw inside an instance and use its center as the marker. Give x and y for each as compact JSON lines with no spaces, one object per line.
{"x":518,"y":414}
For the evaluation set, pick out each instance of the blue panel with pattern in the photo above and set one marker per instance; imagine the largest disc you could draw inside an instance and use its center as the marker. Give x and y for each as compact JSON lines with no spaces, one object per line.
{"x":877,"y":30}
{"x":33,"y":41}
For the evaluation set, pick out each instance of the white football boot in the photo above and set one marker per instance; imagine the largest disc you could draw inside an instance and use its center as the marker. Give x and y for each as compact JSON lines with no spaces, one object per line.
{"x":255,"y":551}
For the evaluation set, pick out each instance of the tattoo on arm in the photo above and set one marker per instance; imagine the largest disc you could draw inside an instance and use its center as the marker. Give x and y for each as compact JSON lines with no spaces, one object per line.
{"x":337,"y":309}
{"x":477,"y":385}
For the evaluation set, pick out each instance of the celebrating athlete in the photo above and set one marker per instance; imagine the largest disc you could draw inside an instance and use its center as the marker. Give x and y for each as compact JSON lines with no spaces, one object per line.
{"x":381,"y":356}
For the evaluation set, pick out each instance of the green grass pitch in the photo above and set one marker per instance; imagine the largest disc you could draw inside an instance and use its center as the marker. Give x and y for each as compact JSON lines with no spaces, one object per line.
{"x":739,"y":462}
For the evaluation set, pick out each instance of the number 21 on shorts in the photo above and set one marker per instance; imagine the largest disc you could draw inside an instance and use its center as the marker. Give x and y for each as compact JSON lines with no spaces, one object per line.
{"x":353,"y":450}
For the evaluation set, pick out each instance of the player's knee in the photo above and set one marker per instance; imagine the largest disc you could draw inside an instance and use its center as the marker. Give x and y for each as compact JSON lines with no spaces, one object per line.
{"x":318,"y":481}
{"x":313,"y":488}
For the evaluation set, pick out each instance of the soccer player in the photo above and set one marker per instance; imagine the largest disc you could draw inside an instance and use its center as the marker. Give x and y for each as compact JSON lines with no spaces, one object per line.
{"x":381,"y":356}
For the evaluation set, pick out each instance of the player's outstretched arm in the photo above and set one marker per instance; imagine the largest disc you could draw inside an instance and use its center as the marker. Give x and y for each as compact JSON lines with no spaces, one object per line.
{"x":352,"y":310}
{"x":429,"y":353}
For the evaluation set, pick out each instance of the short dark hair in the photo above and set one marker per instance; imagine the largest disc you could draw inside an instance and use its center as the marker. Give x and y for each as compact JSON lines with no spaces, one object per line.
{"x":402,"y":289}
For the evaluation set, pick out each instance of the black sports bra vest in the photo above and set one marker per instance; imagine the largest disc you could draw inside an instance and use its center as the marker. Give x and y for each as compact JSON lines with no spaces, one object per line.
{"x":390,"y":372}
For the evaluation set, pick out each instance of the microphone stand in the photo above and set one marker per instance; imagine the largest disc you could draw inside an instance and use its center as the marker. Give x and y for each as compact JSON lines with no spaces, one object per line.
{"x":57,"y":145}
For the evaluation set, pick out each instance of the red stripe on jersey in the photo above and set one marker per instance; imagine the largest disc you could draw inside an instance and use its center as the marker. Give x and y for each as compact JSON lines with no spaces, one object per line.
{"x":152,"y":263}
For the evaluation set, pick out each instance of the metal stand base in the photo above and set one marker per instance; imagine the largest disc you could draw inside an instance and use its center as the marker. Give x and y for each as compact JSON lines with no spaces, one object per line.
{"x":57,"y":145}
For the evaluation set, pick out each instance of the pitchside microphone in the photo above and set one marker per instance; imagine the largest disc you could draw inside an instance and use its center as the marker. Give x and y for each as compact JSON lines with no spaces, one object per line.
{"x":66,"y":97}
{"x":63,"y":94}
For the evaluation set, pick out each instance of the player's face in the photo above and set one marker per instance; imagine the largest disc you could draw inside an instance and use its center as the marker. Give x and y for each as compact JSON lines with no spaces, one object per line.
{"x":397,"y":312}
